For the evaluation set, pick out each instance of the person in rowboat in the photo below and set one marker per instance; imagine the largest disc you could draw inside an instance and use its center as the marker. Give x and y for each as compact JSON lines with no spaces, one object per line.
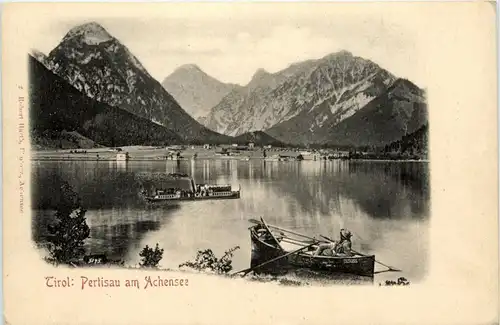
{"x":327,"y":249}
{"x":343,"y":247}
{"x":337,"y":248}
{"x":267,"y":237}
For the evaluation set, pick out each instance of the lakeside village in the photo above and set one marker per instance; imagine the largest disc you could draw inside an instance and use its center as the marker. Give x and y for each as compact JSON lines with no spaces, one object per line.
{"x":229,"y":151}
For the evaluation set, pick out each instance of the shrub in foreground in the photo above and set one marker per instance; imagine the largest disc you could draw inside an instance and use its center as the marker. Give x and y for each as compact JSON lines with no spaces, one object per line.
{"x":151,"y":257}
{"x":207,"y":261}
{"x":68,"y":234}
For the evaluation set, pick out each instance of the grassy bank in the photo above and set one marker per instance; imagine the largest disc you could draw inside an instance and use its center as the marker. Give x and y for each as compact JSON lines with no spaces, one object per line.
{"x":139,"y":154}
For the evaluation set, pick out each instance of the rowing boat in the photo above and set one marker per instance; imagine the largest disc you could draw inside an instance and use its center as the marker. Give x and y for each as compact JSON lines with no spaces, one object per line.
{"x":276,"y":243}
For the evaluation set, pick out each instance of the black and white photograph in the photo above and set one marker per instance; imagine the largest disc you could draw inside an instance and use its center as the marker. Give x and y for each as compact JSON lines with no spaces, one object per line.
{"x":293,"y":151}
{"x":250,"y":163}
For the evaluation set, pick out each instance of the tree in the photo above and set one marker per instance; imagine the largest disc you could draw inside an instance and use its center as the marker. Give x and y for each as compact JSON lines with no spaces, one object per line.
{"x":68,"y":234}
{"x":150,"y":257}
{"x":207,"y":261}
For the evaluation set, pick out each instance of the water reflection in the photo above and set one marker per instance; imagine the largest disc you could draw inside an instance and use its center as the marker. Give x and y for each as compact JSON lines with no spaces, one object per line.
{"x":386,"y":205}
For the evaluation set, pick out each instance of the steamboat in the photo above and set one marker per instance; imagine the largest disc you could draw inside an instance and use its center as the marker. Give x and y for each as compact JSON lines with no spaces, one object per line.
{"x":181,"y":187}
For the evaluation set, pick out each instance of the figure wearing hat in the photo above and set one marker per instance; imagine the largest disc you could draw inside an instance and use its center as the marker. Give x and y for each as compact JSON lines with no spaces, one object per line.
{"x":343,"y":247}
{"x":337,"y":248}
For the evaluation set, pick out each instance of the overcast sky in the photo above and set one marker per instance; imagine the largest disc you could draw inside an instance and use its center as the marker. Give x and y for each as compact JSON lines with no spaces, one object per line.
{"x":231,"y":45}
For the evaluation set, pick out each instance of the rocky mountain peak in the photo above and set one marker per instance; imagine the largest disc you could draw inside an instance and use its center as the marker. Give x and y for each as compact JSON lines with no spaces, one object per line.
{"x":261,"y":78}
{"x":39,"y":55}
{"x":195,"y":90}
{"x":191,"y":67}
{"x":91,"y":33}
{"x":101,"y":67}
{"x":260,"y":73}
{"x":342,"y":54}
{"x":305,"y":99}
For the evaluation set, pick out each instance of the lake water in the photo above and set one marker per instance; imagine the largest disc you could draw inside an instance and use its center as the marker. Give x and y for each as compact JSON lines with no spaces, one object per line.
{"x":386,"y":205}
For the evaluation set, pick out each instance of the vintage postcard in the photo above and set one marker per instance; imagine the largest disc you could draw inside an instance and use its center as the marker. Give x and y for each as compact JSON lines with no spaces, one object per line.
{"x":250,"y":163}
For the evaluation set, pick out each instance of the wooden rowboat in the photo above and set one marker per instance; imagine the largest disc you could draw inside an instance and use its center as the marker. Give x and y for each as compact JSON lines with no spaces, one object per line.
{"x":276,"y":243}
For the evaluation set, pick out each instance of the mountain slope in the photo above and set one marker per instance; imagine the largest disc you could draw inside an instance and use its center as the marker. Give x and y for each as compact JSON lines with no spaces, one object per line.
{"x":398,"y":110}
{"x":194,"y":90}
{"x":258,"y":137}
{"x":40,"y":57}
{"x":97,"y":64}
{"x":49,"y":139}
{"x":413,"y":144}
{"x":56,"y":107}
{"x":307,"y":95}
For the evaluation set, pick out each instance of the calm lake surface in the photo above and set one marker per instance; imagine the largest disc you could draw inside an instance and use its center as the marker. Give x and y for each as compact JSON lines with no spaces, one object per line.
{"x":386,"y":205}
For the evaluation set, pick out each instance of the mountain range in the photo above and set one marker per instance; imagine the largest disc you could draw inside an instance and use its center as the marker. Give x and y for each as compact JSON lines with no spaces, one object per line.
{"x":337,"y":100}
{"x":102,"y":68}
{"x":395,"y":111}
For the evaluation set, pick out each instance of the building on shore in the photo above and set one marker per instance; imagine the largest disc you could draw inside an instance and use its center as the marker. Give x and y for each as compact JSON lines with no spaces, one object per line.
{"x":222,"y":152}
{"x":291,"y":155}
{"x":310,"y":155}
{"x":122,"y":156}
{"x":338,"y":154}
{"x":241,"y":148}
{"x":176,"y":148}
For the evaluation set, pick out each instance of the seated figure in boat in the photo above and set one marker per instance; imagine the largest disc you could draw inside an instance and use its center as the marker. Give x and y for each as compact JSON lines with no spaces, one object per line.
{"x":337,"y":248}
{"x":265,"y":236}
{"x":343,"y":247}
{"x":203,"y":190}
{"x":326,"y":249}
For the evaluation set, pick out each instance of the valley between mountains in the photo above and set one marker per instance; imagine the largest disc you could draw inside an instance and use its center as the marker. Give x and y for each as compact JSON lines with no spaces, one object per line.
{"x":91,"y":90}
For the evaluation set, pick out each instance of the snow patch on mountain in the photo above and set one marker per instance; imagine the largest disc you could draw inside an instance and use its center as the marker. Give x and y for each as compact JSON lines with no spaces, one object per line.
{"x":90,"y":57}
{"x":90,"y":33}
{"x":351,"y":106}
{"x":156,"y":121}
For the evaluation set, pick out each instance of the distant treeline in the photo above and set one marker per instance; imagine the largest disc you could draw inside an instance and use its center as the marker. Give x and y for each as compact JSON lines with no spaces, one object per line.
{"x":410,"y":146}
{"x":413,"y":144}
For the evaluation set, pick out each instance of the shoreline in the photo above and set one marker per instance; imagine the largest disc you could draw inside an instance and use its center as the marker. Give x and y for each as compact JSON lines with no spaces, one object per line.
{"x":138,"y":153}
{"x":66,"y":159}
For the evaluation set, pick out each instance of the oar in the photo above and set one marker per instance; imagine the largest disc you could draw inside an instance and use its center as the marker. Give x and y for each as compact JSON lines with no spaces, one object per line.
{"x":387,"y":266}
{"x":285,"y":230}
{"x":246,"y":271}
{"x":271,"y":233}
{"x":294,"y":241}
